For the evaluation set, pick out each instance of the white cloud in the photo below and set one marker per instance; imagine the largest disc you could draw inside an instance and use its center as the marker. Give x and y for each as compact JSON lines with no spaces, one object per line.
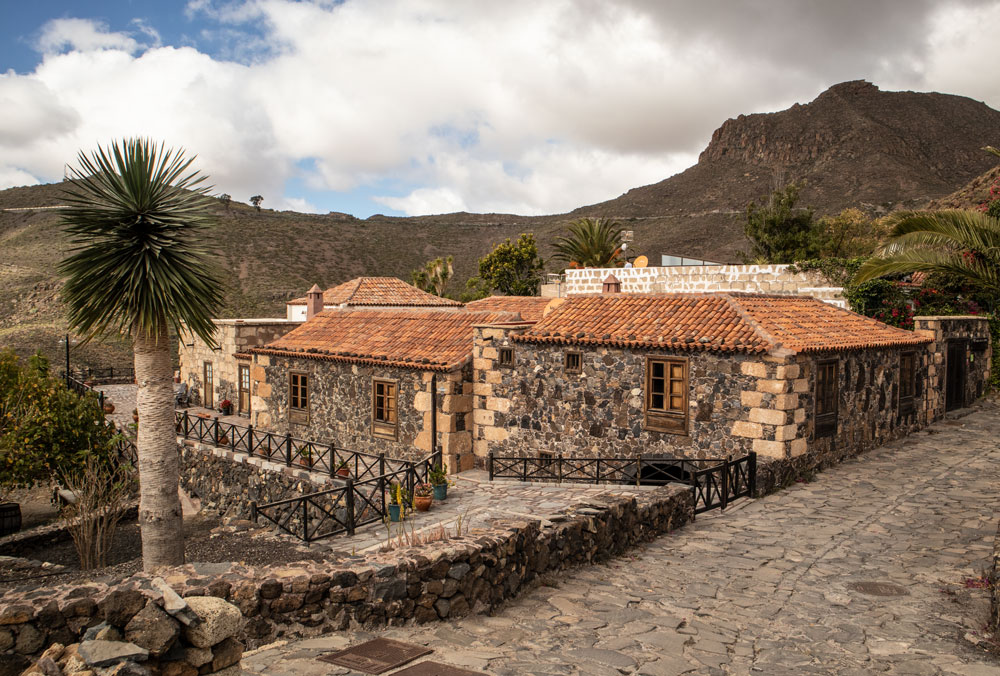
{"x":519,"y":106}
{"x":82,"y":35}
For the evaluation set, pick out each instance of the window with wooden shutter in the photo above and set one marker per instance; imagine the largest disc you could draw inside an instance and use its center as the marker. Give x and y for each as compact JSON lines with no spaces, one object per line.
{"x":505,"y":356}
{"x":666,"y":395}
{"x":574,"y":362}
{"x":827,"y":393}
{"x":384,"y":412}
{"x":298,"y":398}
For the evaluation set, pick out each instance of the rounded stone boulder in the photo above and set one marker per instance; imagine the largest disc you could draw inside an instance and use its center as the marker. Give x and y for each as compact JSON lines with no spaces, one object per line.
{"x":219,"y":620}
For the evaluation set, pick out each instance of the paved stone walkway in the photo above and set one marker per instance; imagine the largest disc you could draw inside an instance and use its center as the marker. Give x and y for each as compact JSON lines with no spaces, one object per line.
{"x":763,"y":588}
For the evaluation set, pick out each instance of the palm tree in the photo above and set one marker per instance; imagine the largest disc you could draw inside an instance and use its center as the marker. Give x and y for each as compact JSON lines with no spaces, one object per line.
{"x":592,"y":243}
{"x":136,"y":268}
{"x":964,"y":243}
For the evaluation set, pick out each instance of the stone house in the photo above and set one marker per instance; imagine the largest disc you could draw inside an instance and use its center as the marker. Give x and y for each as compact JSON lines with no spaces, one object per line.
{"x":216,"y":374}
{"x":368,"y":292}
{"x":710,"y":375}
{"x":397,"y":382}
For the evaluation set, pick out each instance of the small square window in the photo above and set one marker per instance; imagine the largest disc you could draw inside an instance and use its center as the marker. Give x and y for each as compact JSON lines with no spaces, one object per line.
{"x":298,"y":398}
{"x":384,"y":409}
{"x":574,"y":362}
{"x":506,"y":356}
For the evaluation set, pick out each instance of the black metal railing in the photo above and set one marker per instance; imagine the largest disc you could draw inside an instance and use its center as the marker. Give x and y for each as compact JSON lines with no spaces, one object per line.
{"x":285,"y":449}
{"x":104,"y":376}
{"x":82,"y":388}
{"x":339,"y":510}
{"x":715,"y":482}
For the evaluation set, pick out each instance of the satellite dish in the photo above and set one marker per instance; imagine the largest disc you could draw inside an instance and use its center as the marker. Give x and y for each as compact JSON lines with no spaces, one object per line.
{"x":641,"y":262}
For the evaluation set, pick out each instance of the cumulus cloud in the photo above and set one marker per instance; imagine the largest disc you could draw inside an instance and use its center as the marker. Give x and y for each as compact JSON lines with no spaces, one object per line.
{"x":519,"y":106}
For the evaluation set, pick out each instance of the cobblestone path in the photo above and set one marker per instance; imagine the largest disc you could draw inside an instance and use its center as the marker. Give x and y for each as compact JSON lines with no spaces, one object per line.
{"x":766,"y":587}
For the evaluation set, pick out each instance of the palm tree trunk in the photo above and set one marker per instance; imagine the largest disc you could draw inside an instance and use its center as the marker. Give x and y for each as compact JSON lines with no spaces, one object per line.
{"x":160,"y":517}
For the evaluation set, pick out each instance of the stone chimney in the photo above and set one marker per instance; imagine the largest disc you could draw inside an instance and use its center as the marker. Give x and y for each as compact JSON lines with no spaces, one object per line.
{"x":314,"y":301}
{"x":612,"y":285}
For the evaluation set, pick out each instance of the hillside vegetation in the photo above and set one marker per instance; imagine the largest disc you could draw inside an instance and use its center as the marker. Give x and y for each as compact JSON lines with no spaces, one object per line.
{"x":854,"y":146}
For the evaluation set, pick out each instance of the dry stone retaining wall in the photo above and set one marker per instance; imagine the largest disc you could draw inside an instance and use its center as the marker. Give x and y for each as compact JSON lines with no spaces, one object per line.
{"x":474,"y":573}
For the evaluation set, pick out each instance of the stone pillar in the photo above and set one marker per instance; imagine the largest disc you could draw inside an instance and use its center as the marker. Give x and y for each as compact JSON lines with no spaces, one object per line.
{"x":775,"y":421}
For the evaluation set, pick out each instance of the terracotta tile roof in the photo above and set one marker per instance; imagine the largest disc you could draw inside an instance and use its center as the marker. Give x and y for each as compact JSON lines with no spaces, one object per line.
{"x":722,"y":322}
{"x":429,"y":340}
{"x":379,"y":291}
{"x":529,"y":307}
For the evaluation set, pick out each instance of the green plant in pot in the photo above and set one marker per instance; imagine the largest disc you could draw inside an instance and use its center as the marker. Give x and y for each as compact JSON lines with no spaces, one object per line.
{"x":423,"y":497}
{"x":439,"y":480}
{"x":342,"y":469}
{"x":396,"y":498}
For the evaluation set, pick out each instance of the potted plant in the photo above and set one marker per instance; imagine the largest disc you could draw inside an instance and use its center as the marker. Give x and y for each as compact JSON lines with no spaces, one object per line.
{"x":226,"y":407}
{"x":439,"y":479}
{"x":306,"y":457}
{"x":135,"y":415}
{"x":342,"y":469}
{"x":222,"y":439}
{"x":396,"y":499}
{"x":423,"y":496}
{"x":109,"y":407}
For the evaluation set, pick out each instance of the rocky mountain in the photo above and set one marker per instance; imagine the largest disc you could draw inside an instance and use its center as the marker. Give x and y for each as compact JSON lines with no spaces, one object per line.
{"x":854,"y":145}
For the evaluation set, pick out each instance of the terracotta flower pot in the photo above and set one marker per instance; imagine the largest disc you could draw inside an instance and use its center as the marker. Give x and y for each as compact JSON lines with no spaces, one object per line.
{"x":109,"y":408}
{"x":343,"y":472}
{"x":222,"y":440}
{"x":422,"y":503}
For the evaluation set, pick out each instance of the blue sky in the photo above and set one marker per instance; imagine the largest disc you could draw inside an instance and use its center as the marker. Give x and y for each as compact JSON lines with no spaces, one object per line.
{"x":406,"y":107}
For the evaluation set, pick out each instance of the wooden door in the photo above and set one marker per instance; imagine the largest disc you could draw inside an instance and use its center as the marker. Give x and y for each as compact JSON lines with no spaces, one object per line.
{"x":208,"y":396}
{"x":244,"y":390}
{"x":955,"y":378}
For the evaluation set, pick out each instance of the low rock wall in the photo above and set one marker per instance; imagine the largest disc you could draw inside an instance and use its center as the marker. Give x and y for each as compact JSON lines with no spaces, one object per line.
{"x":226,"y":481}
{"x":131,"y":631}
{"x":474,"y":573}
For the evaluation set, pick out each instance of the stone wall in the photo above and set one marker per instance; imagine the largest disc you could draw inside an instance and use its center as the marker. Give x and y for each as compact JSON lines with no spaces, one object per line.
{"x":707,"y":278}
{"x":536,"y":406}
{"x":340,"y":407}
{"x":975,"y":333}
{"x":132,"y":629}
{"x":474,"y":573}
{"x":227,"y":482}
{"x":233,"y":336}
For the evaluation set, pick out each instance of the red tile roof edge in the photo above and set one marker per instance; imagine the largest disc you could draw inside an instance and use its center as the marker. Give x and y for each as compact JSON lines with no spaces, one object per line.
{"x":692,"y":346}
{"x":369,"y":361}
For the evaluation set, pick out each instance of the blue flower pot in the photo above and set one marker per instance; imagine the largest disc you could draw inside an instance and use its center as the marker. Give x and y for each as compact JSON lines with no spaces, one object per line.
{"x":393,"y":512}
{"x":441,"y":492}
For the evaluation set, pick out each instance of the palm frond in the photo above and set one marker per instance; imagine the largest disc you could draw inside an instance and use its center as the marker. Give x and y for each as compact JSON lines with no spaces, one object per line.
{"x":136,"y":213}
{"x":590,"y":243}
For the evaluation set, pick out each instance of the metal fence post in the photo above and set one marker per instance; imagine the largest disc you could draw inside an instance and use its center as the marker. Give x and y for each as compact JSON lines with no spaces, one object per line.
{"x":253,"y":511}
{"x":250,"y":440}
{"x":215,"y":431}
{"x":560,"y":456}
{"x":305,"y":521}
{"x":489,"y":464}
{"x":100,"y":399}
{"x":350,"y":506}
{"x":187,"y":424}
{"x":725,"y":482}
{"x":381,"y":464}
{"x":752,"y":474}
{"x":288,"y":450}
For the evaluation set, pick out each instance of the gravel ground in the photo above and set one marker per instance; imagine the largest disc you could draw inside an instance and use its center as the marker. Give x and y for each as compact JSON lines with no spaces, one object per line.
{"x":206,"y":541}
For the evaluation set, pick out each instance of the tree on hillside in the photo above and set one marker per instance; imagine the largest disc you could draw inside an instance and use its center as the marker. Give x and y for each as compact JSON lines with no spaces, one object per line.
{"x":434,"y":276}
{"x":511,"y":269}
{"x":778,"y":231}
{"x":961,"y":243}
{"x":134,"y":216}
{"x":848,"y":235}
{"x":226,"y":199}
{"x":591,"y":243}
{"x":255,"y":201}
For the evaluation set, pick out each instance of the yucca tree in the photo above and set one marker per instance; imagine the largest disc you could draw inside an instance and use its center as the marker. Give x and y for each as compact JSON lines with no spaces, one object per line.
{"x":964,"y":243}
{"x":137,"y":267}
{"x":591,"y":243}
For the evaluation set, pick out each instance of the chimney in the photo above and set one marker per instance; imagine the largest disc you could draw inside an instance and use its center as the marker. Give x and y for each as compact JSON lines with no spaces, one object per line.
{"x":612,"y":285}
{"x":314,"y":301}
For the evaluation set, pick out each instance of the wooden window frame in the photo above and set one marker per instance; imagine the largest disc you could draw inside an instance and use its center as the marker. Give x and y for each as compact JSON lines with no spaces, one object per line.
{"x":825,"y":423}
{"x":298,"y":414}
{"x":385,"y":429}
{"x":507,"y":352}
{"x":570,"y":357}
{"x":907,"y":402}
{"x":668,"y":420}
